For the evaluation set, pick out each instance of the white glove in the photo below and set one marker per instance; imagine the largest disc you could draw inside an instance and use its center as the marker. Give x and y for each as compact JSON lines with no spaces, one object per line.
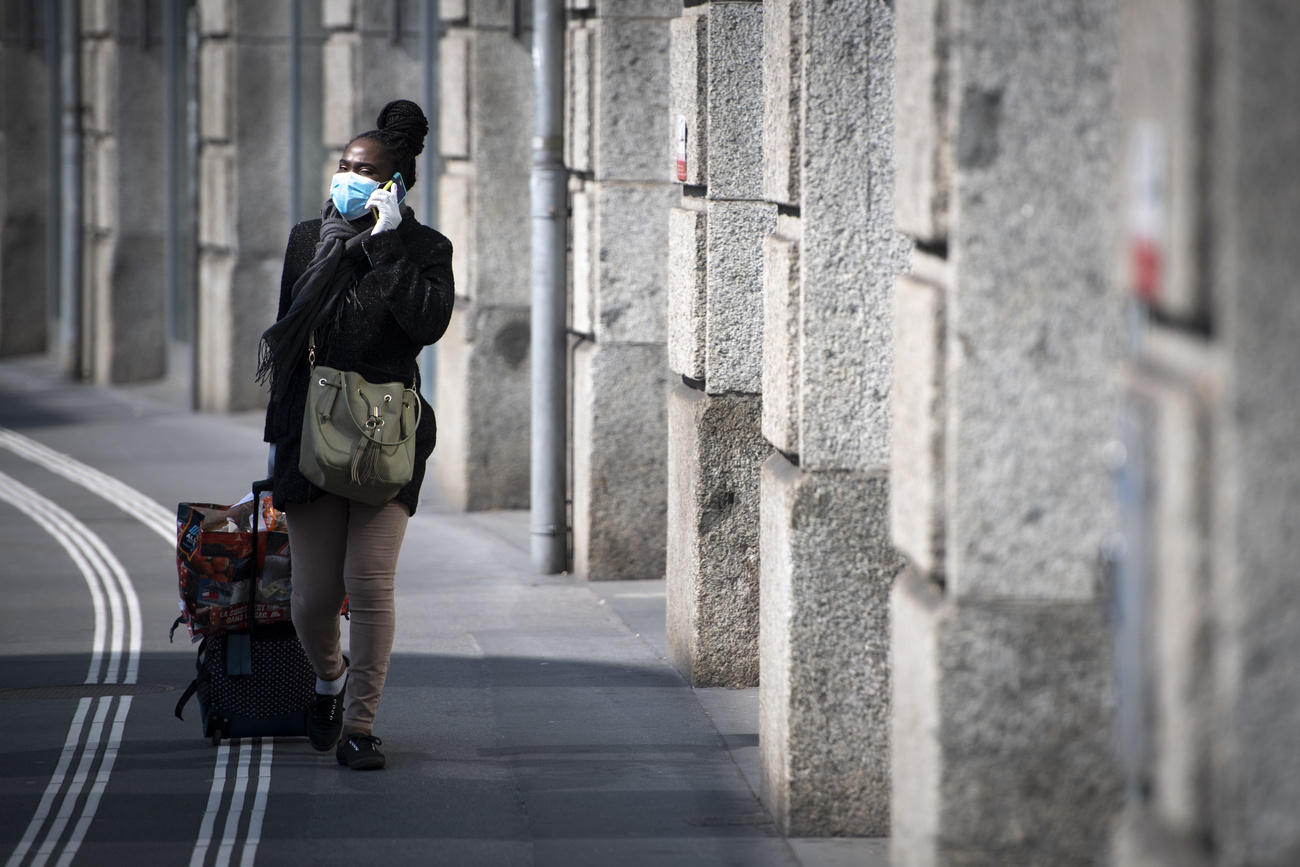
{"x":390,"y":215}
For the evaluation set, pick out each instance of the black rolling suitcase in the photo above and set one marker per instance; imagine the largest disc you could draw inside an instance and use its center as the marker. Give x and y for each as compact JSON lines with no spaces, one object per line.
{"x":255,"y":681}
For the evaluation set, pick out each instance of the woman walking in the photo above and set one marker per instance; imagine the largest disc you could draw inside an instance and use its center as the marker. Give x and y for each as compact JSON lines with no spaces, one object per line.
{"x":365,"y":289}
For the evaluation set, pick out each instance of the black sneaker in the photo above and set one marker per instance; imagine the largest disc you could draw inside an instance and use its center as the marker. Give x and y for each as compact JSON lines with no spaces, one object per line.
{"x":360,"y":753}
{"x":325,"y":720}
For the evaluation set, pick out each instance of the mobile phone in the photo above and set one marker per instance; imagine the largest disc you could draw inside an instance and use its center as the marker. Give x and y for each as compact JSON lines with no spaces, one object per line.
{"x":397,"y":183}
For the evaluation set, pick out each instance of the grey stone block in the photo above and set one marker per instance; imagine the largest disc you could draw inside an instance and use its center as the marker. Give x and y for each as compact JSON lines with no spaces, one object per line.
{"x":97,"y":18}
{"x":453,"y":10}
{"x":578,"y":99}
{"x":782,"y":83}
{"x":214,"y":17}
{"x":25,"y":202}
{"x":453,"y":93}
{"x":1002,"y":730}
{"x":262,"y":18}
{"x":630,"y":99}
{"x":101,"y":85}
{"x":924,"y":121}
{"x":1034,"y":402}
{"x":916,"y":459}
{"x":781,"y":345}
{"x":714,"y":454}
{"x":688,"y":89}
{"x":734,"y":129}
{"x":620,"y":435}
{"x":455,"y":216}
{"x":501,"y":92}
{"x":215,"y":197}
{"x":637,"y":8}
{"x":212,"y":345}
{"x":687,"y":292}
{"x":827,"y":566}
{"x":582,"y":271}
{"x":342,"y":73}
{"x":505,"y":15}
{"x":390,"y":70}
{"x":629,"y":260}
{"x":1260,"y":617}
{"x":850,"y":251}
{"x":734,"y":306}
{"x":214,"y":103}
{"x":482,"y":457}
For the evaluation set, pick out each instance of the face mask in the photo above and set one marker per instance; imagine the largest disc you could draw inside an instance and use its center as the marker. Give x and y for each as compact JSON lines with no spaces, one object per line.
{"x":350,"y":192}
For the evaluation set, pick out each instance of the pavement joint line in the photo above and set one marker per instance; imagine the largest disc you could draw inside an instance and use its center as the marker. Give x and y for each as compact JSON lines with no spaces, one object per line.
{"x":86,"y":544}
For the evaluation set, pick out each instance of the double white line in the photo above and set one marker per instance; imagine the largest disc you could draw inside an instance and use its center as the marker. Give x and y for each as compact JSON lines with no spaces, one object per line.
{"x":115,"y":658}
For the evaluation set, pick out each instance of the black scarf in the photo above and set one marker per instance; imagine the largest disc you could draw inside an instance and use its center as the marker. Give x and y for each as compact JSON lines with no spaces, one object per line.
{"x":316,"y":297}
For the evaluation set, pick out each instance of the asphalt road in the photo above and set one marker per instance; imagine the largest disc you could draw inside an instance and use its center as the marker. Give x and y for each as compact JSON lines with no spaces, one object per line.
{"x":528,"y":720}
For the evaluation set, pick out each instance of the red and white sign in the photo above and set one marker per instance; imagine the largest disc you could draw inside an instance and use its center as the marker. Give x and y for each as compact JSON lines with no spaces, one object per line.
{"x":1148,"y":210}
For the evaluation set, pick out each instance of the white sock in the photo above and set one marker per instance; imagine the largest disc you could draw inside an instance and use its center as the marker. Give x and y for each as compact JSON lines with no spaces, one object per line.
{"x":332,"y":687}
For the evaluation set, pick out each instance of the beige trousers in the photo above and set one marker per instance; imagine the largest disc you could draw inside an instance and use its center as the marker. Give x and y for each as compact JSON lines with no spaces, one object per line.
{"x":341,"y":546}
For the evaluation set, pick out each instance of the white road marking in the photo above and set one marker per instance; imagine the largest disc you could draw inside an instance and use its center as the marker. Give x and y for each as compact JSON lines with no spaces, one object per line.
{"x":70,"y":747}
{"x":215,"y":804}
{"x":258,"y":813}
{"x":117,"y":632}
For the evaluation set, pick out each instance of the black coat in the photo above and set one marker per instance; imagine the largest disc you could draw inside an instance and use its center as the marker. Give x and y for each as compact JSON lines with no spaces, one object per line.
{"x":402,"y":303}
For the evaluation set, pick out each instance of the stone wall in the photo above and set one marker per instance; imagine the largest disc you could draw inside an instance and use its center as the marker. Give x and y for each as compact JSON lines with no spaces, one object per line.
{"x":715,"y":336}
{"x":124,"y":296}
{"x":1211,"y":720}
{"x":827,"y":561}
{"x":620,"y":186}
{"x":1005,"y":331}
{"x":26,"y":157}
{"x":243,"y":147}
{"x":485,"y":111}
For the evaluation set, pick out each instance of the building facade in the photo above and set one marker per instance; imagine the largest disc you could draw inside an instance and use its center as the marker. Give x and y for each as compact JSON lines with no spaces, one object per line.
{"x":937,"y":354}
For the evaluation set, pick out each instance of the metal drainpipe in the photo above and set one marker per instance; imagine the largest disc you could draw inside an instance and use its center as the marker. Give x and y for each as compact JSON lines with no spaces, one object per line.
{"x":550,"y":224}
{"x":295,"y":110}
{"x":430,"y":29}
{"x":70,"y":189}
{"x":54,"y":127}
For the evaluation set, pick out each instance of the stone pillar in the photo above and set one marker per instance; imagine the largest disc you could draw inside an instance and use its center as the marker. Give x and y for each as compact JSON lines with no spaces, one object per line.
{"x":620,"y":176}
{"x":124,"y":299}
{"x":827,"y":561}
{"x":243,"y":153}
{"x":483,"y":387}
{"x":26,"y":207}
{"x":371,"y":56}
{"x":1005,"y":333}
{"x":715,"y":333}
{"x":1213,"y":736}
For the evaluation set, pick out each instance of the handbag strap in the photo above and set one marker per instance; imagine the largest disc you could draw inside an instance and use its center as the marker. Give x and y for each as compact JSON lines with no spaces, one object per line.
{"x":311,"y":364}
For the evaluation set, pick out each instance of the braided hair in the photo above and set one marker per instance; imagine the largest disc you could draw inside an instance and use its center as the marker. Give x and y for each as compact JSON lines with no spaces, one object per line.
{"x":401,"y":129}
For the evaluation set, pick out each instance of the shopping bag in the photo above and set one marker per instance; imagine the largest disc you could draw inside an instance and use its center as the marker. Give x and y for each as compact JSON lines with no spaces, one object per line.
{"x":220,"y":577}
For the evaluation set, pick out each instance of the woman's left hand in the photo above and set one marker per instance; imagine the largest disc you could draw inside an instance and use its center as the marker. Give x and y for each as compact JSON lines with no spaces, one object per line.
{"x":390,"y":215}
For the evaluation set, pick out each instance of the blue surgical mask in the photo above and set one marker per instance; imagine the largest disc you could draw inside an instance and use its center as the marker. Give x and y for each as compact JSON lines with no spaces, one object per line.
{"x":350,"y":193}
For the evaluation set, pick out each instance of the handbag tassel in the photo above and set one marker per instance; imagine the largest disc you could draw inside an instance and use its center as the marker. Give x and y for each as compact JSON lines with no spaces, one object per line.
{"x":365,"y":461}
{"x":365,"y":454}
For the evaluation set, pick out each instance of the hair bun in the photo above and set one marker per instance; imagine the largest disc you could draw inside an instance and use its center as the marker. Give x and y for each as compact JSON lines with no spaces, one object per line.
{"x":404,"y":118}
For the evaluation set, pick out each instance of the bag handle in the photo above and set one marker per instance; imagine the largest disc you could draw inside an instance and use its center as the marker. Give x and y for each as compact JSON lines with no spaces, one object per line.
{"x":370,"y":431}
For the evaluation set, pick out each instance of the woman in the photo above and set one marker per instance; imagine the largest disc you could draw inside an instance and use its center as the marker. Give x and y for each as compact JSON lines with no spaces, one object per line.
{"x":369,"y":287}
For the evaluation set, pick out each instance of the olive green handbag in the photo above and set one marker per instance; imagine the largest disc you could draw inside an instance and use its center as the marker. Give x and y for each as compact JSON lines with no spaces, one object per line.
{"x":358,"y":437}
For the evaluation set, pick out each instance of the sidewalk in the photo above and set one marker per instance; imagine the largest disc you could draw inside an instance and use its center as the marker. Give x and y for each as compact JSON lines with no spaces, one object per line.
{"x":528,"y":719}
